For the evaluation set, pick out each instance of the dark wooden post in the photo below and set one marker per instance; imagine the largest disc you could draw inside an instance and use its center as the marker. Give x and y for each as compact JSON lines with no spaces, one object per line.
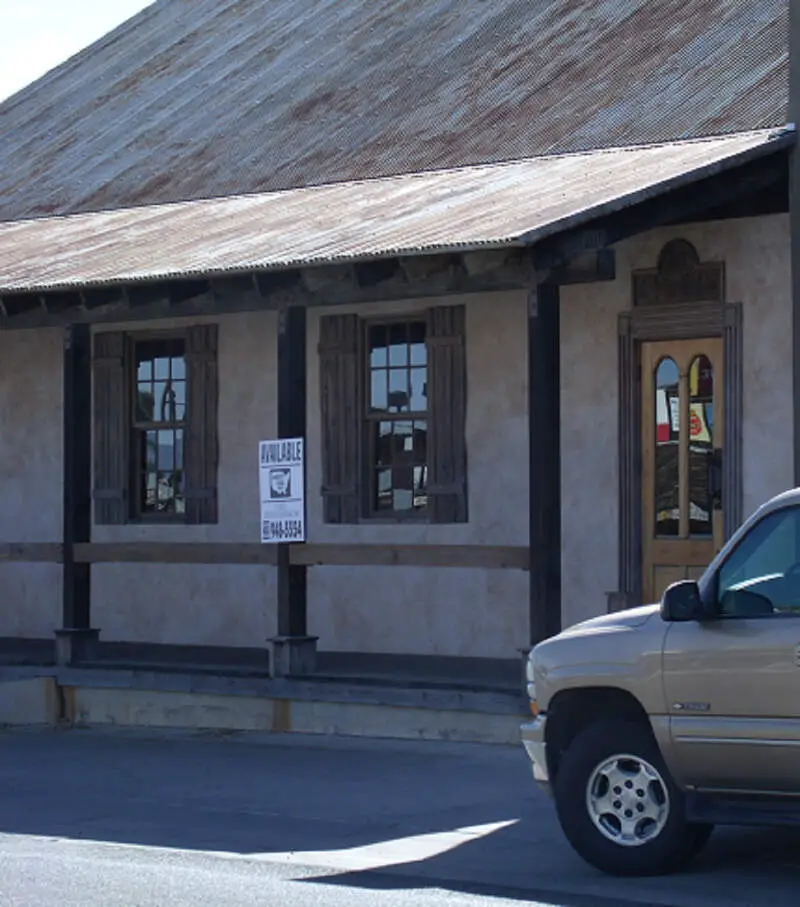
{"x":544,"y":426}
{"x":75,"y":639}
{"x":794,"y":217}
{"x":293,"y":650}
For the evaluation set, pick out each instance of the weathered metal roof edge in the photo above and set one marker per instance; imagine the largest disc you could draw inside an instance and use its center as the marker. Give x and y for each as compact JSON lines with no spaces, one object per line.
{"x":786,"y":133}
{"x":776,"y":141}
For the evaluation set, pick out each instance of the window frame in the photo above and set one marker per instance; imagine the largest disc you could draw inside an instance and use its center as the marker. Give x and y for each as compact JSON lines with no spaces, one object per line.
{"x":366,"y":452}
{"x":712,"y":597}
{"x":135,"y":514}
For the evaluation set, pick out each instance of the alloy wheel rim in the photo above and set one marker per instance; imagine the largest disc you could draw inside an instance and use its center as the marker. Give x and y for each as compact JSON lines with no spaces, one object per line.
{"x":627,"y":800}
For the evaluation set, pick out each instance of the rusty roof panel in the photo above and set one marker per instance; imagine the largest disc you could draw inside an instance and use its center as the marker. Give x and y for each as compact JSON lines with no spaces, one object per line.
{"x":210,"y":98}
{"x":490,"y":205}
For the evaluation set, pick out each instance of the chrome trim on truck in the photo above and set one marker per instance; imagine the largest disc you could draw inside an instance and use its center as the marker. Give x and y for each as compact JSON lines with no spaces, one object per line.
{"x":532,"y":733}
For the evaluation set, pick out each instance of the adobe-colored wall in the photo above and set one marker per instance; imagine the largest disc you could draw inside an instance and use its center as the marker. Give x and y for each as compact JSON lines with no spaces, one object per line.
{"x":423,"y":611}
{"x":206,"y":605}
{"x":757,"y":265}
{"x":30,"y":477}
{"x":442,"y":611}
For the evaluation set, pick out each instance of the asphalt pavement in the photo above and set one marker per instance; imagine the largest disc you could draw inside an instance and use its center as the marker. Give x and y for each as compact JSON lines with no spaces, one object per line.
{"x":147,"y":819}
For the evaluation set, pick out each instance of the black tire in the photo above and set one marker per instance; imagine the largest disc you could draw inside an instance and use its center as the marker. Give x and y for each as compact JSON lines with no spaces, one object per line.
{"x":668,"y":850}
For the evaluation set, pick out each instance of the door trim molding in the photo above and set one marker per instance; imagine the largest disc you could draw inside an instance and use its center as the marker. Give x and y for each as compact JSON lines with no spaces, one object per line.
{"x":673,"y":321}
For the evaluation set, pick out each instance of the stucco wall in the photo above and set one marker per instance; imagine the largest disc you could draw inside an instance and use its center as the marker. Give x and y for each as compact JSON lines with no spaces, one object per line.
{"x":757,"y":264}
{"x":422,"y":611}
{"x":30,"y":477}
{"x":206,"y":605}
{"x":440,"y":611}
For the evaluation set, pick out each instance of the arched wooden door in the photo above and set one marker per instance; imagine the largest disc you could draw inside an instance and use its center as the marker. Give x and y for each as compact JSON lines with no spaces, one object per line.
{"x":682,"y":432}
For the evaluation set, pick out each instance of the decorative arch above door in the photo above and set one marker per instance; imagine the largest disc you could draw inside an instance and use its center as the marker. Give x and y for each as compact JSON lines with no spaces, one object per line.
{"x":680,"y":300}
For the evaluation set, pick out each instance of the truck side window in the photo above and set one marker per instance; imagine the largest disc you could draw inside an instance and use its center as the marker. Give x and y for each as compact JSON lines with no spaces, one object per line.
{"x":761,"y":578}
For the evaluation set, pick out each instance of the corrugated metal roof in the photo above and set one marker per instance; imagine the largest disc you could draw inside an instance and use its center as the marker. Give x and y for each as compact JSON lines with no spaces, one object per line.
{"x":490,"y":205}
{"x":211,"y":98}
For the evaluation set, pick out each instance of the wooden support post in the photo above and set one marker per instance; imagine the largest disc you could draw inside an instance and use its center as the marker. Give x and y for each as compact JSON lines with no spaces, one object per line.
{"x":75,"y":639}
{"x":293,"y":650}
{"x":544,"y":424}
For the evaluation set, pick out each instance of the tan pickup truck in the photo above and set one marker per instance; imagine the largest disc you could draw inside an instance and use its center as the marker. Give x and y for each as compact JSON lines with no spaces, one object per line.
{"x":654,"y":724}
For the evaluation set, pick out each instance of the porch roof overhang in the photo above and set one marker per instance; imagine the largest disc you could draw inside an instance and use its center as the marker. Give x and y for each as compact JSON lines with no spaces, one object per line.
{"x":513,"y":204}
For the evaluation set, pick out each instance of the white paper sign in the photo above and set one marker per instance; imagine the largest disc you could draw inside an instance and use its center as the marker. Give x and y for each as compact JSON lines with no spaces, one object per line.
{"x":282,"y":488}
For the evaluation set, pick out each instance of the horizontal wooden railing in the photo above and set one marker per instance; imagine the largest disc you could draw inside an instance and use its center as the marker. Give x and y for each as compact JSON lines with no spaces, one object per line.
{"x":487,"y":557}
{"x":31,"y":552}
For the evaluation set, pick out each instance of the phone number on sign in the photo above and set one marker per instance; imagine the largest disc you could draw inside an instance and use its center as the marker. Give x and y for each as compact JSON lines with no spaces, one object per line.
{"x":282,"y":530}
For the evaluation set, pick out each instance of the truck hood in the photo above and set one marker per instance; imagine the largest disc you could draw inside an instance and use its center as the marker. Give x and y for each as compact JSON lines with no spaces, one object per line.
{"x":619,"y":620}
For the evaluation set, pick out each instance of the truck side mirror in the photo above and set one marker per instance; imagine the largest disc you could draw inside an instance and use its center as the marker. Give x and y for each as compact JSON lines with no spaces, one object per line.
{"x":681,"y":602}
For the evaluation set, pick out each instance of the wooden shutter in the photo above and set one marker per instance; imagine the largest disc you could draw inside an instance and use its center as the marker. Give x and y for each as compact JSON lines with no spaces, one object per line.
{"x":341,"y":422}
{"x":111,"y":419}
{"x":201,"y":448}
{"x":447,"y":407}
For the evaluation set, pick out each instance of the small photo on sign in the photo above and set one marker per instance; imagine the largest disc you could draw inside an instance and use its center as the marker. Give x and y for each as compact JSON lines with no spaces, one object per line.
{"x":280,"y":483}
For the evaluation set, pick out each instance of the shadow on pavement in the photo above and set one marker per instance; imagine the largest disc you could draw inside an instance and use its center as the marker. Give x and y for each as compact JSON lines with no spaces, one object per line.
{"x":367,"y":814}
{"x":740,"y":866}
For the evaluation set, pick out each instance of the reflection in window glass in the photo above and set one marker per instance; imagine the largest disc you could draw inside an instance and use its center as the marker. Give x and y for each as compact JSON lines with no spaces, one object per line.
{"x":159,"y":426}
{"x":701,"y":446}
{"x":667,"y":415}
{"x":398,"y":430}
{"x":767,"y":563}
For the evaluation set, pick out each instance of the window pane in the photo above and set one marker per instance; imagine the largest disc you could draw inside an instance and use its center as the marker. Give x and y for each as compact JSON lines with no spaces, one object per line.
{"x":382,"y":451}
{"x":420,"y":487}
{"x":762,"y":575}
{"x":420,"y":442}
{"x":161,"y":367}
{"x":667,"y":415}
{"x":178,"y":448}
{"x":398,"y":344}
{"x":416,"y":337}
{"x":378,"y":355}
{"x":166,"y":450}
{"x":402,"y":442}
{"x":179,"y":394}
{"x":419,"y":390}
{"x":144,"y":403}
{"x":162,"y":400}
{"x":161,"y":465}
{"x":151,"y":454}
{"x":398,"y":389}
{"x":144,"y":371}
{"x":160,"y":380}
{"x":178,"y":367}
{"x":383,"y":490}
{"x":378,"y":394}
{"x":701,"y":446}
{"x":402,"y":488}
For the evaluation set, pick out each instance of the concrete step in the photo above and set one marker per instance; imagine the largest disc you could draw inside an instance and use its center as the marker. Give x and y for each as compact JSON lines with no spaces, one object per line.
{"x":88,"y":698}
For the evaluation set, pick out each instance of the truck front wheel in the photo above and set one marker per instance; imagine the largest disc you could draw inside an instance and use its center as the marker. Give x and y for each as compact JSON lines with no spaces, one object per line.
{"x":618,"y":805}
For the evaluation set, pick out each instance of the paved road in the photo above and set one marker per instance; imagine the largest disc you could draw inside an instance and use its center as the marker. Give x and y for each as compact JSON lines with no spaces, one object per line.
{"x":100,"y":819}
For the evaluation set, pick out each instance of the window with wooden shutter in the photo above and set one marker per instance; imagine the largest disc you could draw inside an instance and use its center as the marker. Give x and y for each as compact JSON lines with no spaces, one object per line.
{"x":155,"y":411}
{"x":447,"y":394}
{"x":202,"y":437}
{"x":340,"y":414}
{"x":393,"y":399}
{"x":111,"y":412}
